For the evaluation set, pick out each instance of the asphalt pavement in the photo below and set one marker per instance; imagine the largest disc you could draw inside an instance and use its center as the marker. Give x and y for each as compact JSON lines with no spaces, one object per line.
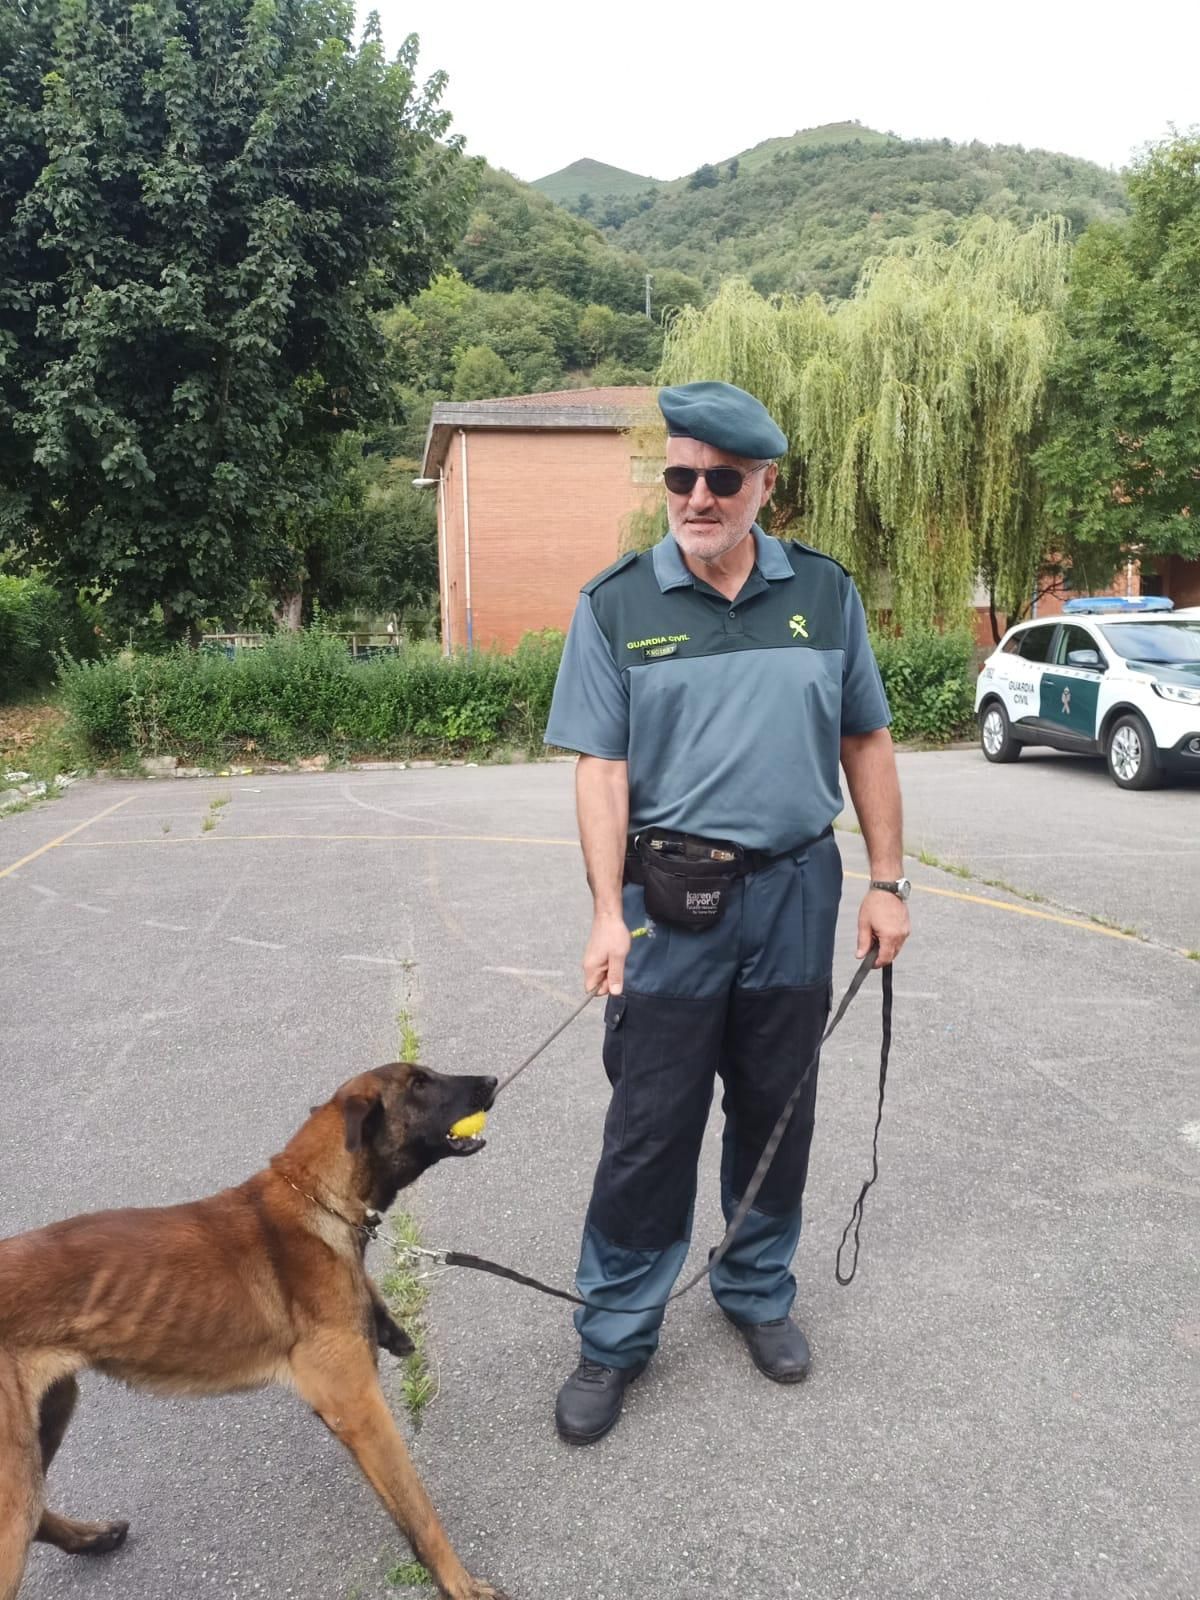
{"x":1003,"y":1404}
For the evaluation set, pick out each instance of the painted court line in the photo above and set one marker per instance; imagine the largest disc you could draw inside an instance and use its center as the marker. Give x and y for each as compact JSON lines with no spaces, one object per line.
{"x":526,"y":972}
{"x":63,"y":837}
{"x":208,"y":840}
{"x":1019,"y":911}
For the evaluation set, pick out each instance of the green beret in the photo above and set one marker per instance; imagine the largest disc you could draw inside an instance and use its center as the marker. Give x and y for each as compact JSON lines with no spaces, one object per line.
{"x":725,"y":417}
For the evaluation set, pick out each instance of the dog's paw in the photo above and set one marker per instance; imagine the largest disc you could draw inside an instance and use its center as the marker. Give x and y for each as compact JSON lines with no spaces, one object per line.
{"x":483,"y":1591}
{"x":102,"y":1537}
{"x":390,"y":1336}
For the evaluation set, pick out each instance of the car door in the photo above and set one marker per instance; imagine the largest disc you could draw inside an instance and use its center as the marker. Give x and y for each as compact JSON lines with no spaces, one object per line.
{"x":1070,"y":690}
{"x":1023,"y":689}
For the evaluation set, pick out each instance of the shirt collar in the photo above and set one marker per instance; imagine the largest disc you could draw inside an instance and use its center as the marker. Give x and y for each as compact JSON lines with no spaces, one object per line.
{"x":672,"y":571}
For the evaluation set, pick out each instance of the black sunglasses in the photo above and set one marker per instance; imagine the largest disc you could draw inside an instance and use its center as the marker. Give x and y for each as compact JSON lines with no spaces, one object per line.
{"x":724,"y":482}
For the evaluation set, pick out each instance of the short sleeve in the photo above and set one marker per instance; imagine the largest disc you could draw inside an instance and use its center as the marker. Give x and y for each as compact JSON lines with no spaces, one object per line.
{"x":590,"y":708}
{"x":864,"y":703}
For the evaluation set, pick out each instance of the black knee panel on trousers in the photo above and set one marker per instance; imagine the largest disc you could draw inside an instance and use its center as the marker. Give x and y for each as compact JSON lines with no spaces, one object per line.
{"x":662,"y":1055}
{"x":770,"y":1037}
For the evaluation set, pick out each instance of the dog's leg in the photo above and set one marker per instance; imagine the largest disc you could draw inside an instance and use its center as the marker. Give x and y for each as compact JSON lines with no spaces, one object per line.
{"x":337,"y":1378}
{"x":76,"y":1538}
{"x":20,"y":1479}
{"x":389,"y":1335}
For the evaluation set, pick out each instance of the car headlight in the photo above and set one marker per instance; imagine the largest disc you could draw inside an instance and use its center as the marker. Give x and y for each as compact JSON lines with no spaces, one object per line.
{"x":1177,"y":692}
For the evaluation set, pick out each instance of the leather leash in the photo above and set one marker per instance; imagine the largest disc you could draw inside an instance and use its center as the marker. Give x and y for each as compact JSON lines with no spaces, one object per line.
{"x":460,"y":1258}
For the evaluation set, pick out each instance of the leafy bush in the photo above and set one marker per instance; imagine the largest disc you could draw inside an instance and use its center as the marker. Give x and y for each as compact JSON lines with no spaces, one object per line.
{"x":36,"y":621}
{"x":929,"y":683}
{"x":302,"y":694}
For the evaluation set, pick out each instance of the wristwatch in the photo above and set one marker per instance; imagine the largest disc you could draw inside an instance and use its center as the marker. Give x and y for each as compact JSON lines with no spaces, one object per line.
{"x":900,"y":887}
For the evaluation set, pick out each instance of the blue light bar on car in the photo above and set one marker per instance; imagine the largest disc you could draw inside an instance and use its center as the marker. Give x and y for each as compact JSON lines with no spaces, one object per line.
{"x":1117,"y":602}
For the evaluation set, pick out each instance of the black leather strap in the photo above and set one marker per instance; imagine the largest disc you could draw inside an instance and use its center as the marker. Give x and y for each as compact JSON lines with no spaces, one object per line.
{"x":459,"y":1258}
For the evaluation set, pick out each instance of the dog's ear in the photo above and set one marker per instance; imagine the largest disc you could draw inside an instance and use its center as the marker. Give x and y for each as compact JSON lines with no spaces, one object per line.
{"x":361,"y":1114}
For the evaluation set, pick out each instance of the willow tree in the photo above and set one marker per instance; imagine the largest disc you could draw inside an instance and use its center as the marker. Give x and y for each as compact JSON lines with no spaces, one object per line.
{"x":911,"y":410}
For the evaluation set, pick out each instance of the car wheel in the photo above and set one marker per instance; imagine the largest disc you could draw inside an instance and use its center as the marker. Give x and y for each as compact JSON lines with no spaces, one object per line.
{"x":995,"y":733}
{"x":1130,"y":755}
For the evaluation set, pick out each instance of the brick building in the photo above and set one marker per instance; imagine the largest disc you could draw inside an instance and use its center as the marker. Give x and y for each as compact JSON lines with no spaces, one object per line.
{"x":533,"y":493}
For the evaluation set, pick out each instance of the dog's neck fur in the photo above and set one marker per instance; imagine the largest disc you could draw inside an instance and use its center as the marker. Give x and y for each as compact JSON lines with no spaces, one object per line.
{"x":341,"y":1187}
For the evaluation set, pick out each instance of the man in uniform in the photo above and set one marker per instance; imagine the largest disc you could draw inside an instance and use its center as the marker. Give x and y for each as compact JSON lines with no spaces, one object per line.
{"x":710,"y":686}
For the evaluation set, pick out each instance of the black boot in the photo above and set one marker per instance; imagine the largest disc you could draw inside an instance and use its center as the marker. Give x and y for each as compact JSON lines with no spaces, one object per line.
{"x":778,"y":1349}
{"x":590,"y":1401}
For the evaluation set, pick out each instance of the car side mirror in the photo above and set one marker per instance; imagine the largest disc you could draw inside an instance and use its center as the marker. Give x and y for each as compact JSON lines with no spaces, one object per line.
{"x":1085,"y":658}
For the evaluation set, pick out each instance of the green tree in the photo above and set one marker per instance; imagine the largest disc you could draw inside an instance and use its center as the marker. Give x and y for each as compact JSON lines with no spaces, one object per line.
{"x":911,"y":411}
{"x":207,"y":204}
{"x":1122,"y":462}
{"x":598,"y":331}
{"x":479,"y":374}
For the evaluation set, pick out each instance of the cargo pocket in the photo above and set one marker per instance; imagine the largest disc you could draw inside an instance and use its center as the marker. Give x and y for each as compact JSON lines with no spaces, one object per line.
{"x":614,"y":1066}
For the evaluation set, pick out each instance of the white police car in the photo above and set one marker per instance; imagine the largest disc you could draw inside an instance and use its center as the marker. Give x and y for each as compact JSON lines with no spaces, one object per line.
{"x":1111,"y":677}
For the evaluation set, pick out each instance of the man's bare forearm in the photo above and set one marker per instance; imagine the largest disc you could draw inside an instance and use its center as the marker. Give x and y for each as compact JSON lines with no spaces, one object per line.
{"x":869,"y":761}
{"x":602,"y":807}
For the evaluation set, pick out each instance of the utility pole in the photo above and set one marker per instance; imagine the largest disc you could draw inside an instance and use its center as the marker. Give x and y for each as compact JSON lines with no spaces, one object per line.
{"x":649,"y":276}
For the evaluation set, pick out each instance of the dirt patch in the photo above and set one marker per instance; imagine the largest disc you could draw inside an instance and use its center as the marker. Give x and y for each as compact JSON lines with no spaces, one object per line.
{"x":23,"y":726}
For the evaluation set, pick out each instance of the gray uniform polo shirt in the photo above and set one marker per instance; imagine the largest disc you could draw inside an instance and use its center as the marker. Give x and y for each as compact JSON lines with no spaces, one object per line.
{"x":729,"y":713}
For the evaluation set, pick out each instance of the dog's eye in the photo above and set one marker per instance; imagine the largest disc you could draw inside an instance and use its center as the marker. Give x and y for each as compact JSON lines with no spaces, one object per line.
{"x":418,"y":1080}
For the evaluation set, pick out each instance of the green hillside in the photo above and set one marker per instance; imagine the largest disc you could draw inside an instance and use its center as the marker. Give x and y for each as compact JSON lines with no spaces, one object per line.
{"x":804,"y":138}
{"x":803,"y":213}
{"x":594,"y":178}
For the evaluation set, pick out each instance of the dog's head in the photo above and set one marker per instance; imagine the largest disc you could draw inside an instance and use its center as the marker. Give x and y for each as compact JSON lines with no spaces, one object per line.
{"x":397,"y":1120}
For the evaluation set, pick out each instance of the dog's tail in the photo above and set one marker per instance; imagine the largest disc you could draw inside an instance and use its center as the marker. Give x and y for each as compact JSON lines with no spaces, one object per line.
{"x":20,"y":1477}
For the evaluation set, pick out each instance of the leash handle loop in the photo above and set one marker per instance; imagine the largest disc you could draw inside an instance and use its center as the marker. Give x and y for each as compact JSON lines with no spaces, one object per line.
{"x":856,"y":1215}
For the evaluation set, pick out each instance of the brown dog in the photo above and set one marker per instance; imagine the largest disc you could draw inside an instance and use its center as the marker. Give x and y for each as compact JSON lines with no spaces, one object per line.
{"x":260,"y":1284}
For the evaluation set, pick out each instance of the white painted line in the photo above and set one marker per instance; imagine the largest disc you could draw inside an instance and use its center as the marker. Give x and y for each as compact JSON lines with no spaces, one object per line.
{"x":377,"y":961}
{"x":258,"y":944}
{"x":168,"y":927}
{"x":1190,"y":1134}
{"x":527,"y":972}
{"x":97,"y":911}
{"x":50,"y":894}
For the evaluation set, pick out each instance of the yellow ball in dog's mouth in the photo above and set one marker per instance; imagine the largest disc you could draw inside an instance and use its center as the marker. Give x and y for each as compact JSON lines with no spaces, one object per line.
{"x":468,"y":1127}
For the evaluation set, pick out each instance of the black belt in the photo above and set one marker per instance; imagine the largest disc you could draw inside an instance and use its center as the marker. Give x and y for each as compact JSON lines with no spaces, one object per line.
{"x":692,"y":847}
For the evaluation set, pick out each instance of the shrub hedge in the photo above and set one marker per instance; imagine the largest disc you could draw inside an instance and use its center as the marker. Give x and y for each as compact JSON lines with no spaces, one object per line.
{"x":930,"y":683}
{"x":36,"y":621}
{"x":302,"y":694}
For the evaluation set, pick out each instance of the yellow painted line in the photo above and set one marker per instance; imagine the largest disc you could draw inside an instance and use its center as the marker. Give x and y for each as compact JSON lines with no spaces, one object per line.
{"x":1020,"y":911}
{"x":213,"y":837}
{"x":63,"y":837}
{"x":509,"y":838}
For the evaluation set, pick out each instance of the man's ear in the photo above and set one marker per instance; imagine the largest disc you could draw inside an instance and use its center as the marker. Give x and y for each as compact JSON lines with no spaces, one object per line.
{"x":361,"y":1114}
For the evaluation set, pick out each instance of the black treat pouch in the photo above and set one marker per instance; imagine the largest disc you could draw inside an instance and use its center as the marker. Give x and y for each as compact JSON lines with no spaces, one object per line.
{"x":686,"y":879}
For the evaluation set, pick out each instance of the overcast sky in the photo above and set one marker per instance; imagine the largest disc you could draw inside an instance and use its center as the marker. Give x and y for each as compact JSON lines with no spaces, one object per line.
{"x":658,"y":89}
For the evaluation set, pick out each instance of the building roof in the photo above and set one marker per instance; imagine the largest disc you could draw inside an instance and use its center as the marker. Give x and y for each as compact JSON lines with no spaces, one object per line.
{"x":613,"y":408}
